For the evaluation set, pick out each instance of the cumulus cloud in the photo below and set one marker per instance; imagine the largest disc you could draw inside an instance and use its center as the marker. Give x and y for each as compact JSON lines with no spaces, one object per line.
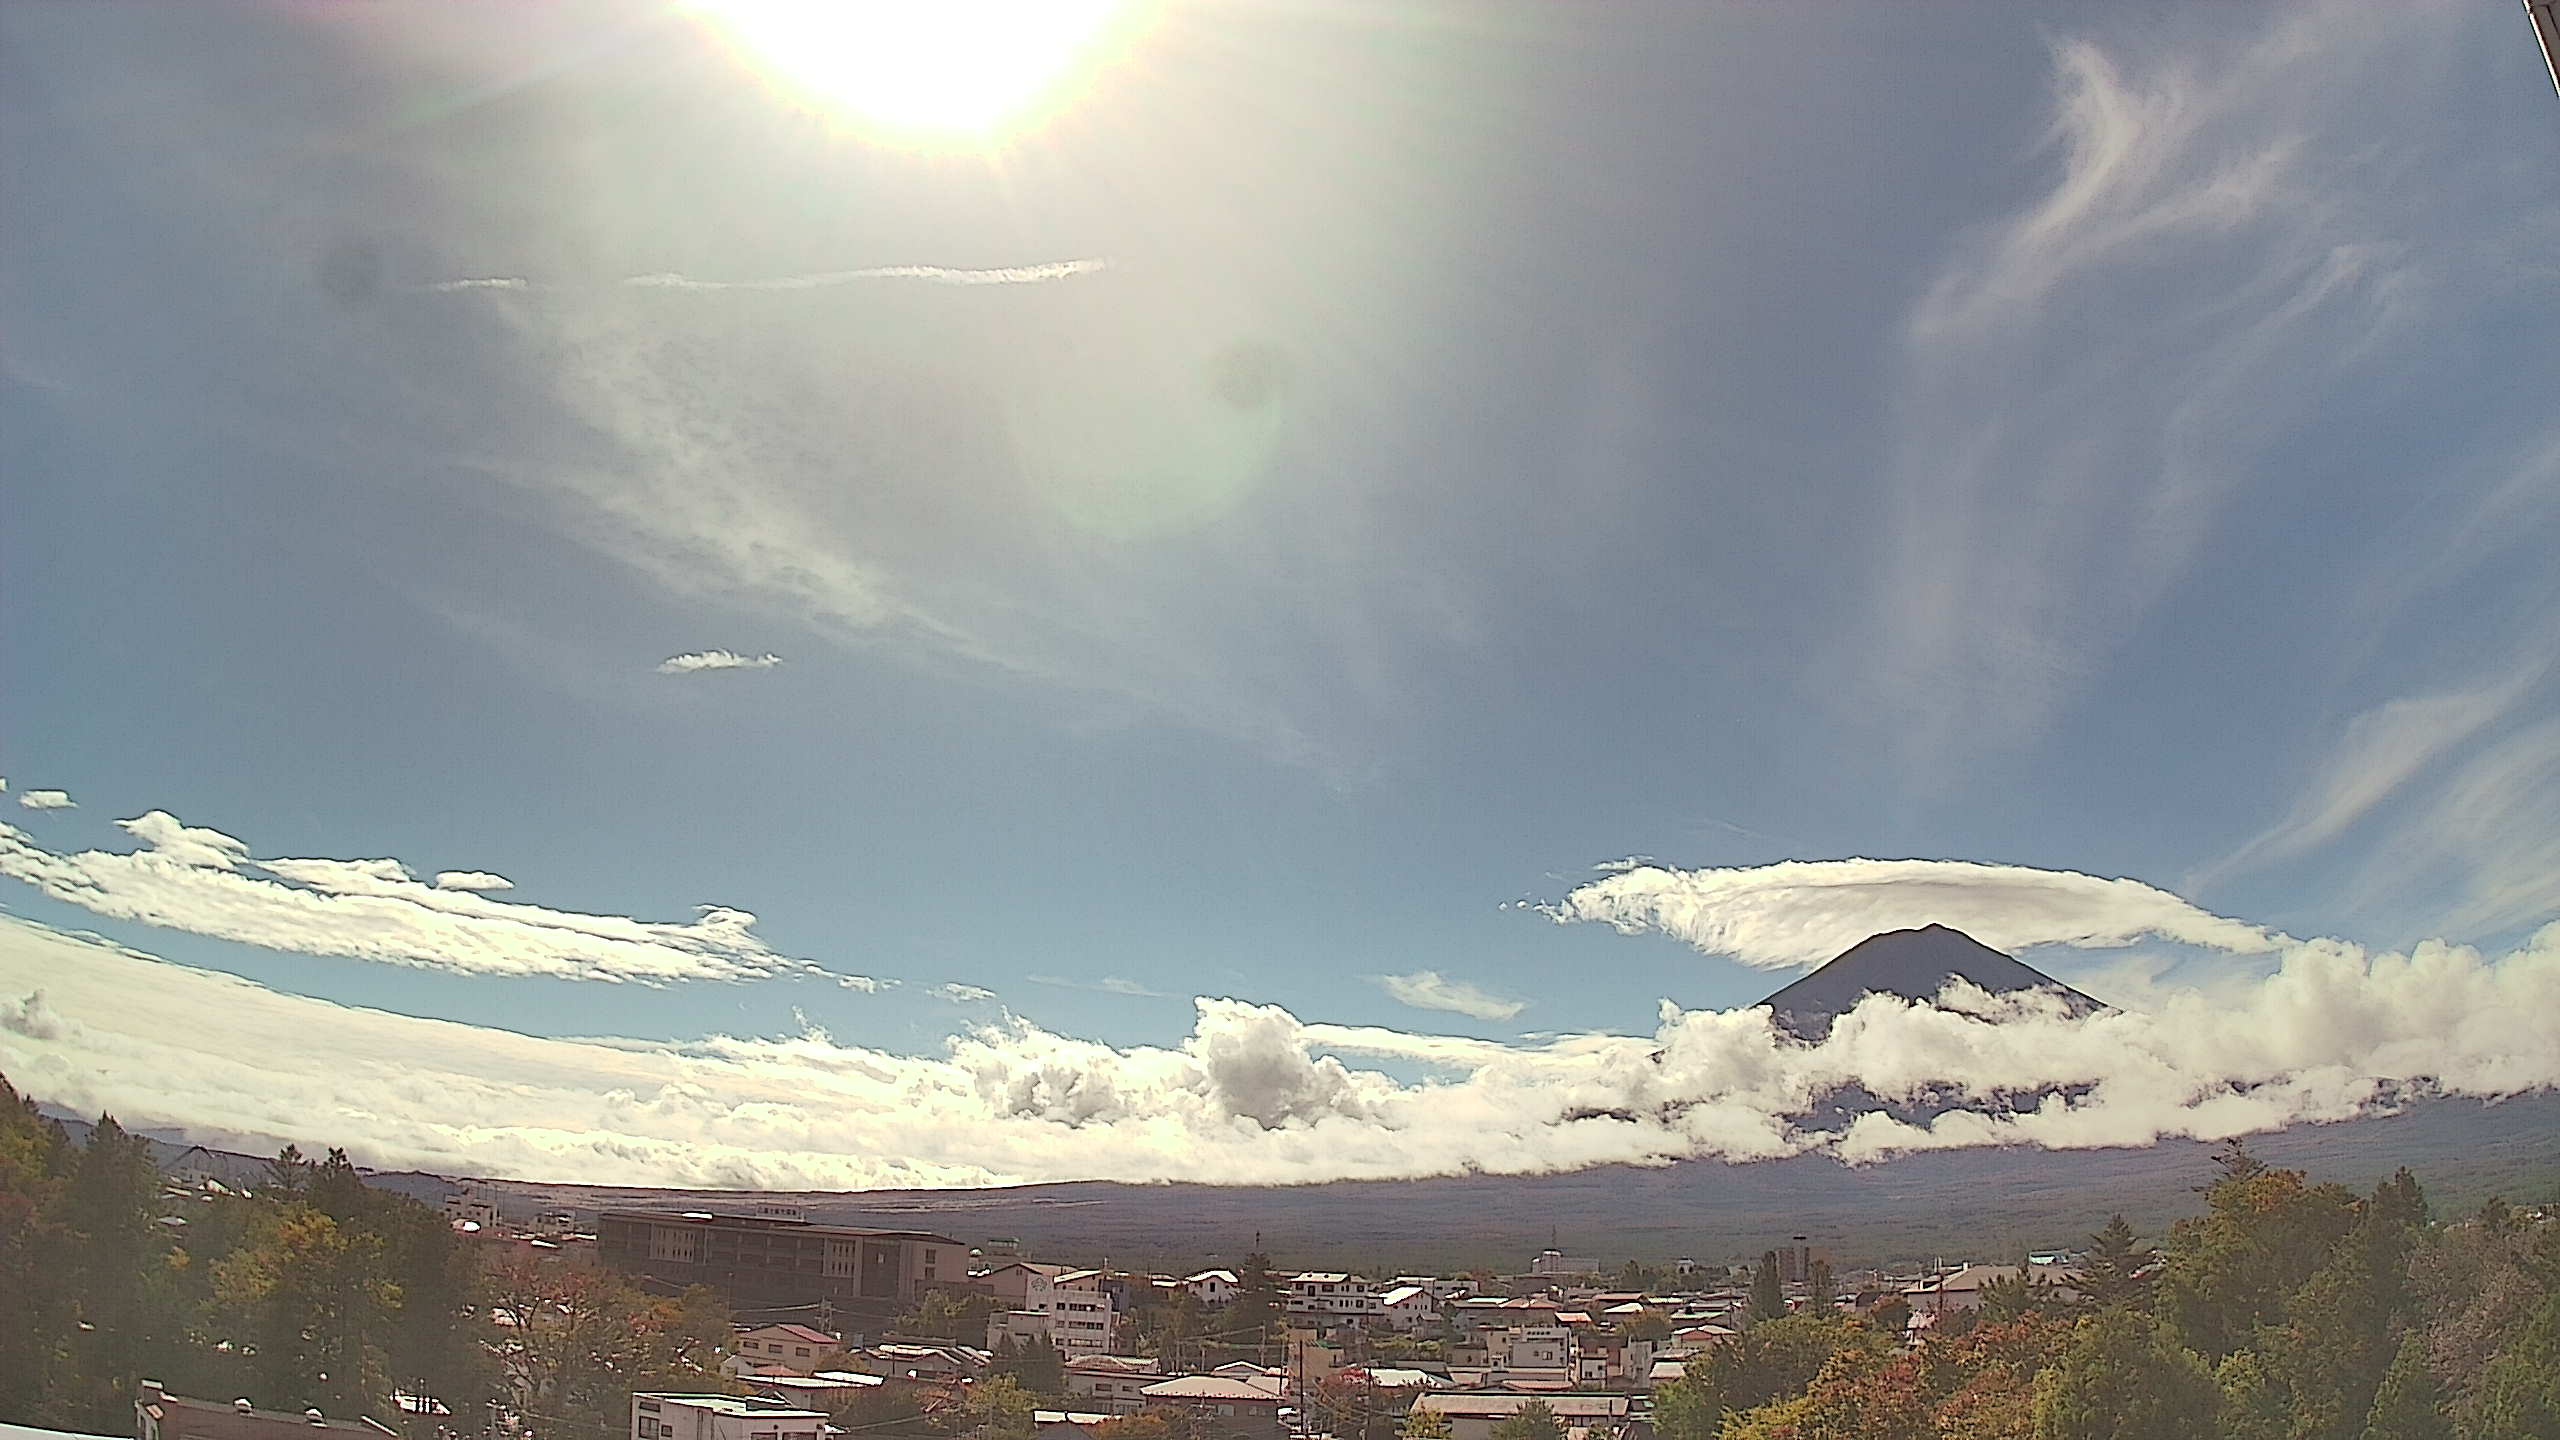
{"x":1253,"y":1095}
{"x":200,"y":880}
{"x":31,"y":1018}
{"x":472,"y":880}
{"x":1431,"y":990}
{"x":48,"y":800}
{"x":1800,"y":913}
{"x":691,"y":661}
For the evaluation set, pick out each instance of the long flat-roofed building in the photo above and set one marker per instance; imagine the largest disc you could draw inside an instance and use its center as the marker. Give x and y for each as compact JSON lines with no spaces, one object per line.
{"x":756,"y":1260}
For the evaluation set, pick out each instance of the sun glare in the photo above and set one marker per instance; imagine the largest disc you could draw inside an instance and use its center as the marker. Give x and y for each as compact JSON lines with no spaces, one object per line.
{"x":926,"y":70}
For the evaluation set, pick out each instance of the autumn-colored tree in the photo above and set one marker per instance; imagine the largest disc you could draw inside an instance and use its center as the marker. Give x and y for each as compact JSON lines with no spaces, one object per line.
{"x":1156,"y":1422}
{"x":1424,"y":1423}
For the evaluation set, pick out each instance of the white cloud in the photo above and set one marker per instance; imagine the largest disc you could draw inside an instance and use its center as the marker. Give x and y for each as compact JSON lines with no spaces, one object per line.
{"x":48,"y":800}
{"x":1107,"y":985}
{"x":1251,"y":1095}
{"x":472,"y":880}
{"x":199,"y":880}
{"x":1800,"y":913}
{"x":959,"y":994}
{"x":2380,"y":751}
{"x":2088,"y":381}
{"x":31,"y":1018}
{"x":1431,"y":990}
{"x":932,"y":274}
{"x":692,"y":661}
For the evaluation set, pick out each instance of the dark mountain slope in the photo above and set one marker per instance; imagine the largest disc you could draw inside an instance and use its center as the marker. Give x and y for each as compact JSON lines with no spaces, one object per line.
{"x":1914,"y":964}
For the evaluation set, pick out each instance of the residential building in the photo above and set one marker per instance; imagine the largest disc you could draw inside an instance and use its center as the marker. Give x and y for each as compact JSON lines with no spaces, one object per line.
{"x":158,"y":1415}
{"x":1224,"y":1407}
{"x":1113,"y":1382}
{"x":1556,"y":1262}
{"x":1068,"y":1306}
{"x":1961,"y":1288}
{"x":720,"y":1417}
{"x":1442,"y":1287}
{"x":791,"y":1346}
{"x":770,"y":1260}
{"x":1065,"y":1424}
{"x":1212,"y":1287}
{"x":1473,"y":1414}
{"x":1331,"y":1294}
{"x":1408,"y":1308}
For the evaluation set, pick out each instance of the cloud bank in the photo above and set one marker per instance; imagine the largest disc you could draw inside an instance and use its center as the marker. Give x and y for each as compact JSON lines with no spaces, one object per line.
{"x":1799,"y":913}
{"x":692,"y":661}
{"x":1253,"y":1095}
{"x":1431,"y":990}
{"x":204,"y":882}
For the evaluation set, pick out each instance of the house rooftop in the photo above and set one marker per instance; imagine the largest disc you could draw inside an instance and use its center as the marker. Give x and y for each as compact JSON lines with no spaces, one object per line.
{"x":1503,"y":1405}
{"x":731,"y":1405}
{"x":1207,"y":1387}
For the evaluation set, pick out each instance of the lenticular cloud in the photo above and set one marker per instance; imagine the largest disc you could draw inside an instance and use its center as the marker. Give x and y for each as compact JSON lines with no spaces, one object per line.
{"x":1253,"y":1094}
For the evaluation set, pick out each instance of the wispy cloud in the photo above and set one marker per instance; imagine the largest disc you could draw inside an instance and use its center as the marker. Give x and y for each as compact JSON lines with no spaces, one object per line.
{"x":1431,"y":990}
{"x":48,"y":800}
{"x":204,"y":882}
{"x":2378,"y":753}
{"x":1107,"y":985}
{"x":1800,"y":913}
{"x":1038,"y":274}
{"x":2083,"y":386}
{"x":1252,"y":1095}
{"x":960,"y":994}
{"x":472,"y":880}
{"x":692,"y":661}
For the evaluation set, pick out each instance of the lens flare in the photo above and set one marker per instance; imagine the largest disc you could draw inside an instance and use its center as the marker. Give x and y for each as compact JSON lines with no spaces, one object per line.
{"x":922,"y":71}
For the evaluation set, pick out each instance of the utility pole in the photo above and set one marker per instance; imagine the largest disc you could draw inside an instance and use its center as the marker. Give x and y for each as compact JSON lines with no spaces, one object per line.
{"x":2545,"y":15}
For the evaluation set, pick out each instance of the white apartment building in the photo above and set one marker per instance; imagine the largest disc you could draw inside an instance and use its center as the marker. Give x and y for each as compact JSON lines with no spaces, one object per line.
{"x":1332,"y":1294}
{"x":1408,"y":1308}
{"x":1068,"y":1306}
{"x":720,"y":1417}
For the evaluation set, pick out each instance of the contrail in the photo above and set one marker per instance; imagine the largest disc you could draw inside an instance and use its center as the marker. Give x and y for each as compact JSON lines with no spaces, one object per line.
{"x":929,"y":274}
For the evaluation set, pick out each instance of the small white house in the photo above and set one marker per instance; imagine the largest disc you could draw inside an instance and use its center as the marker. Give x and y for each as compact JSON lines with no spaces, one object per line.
{"x":1408,"y":1308}
{"x":720,"y":1417}
{"x":1212,"y":1287}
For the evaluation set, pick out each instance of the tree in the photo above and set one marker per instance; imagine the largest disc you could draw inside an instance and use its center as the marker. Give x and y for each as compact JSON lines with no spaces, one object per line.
{"x":1891,"y":1315}
{"x":948,"y":1315}
{"x":2518,"y":1394}
{"x":1533,"y":1421}
{"x":2125,"y":1377}
{"x":1036,"y":1364}
{"x":996,"y":1408}
{"x":2408,"y":1405}
{"x":1156,"y":1422}
{"x":581,"y":1340}
{"x":315,"y":1297}
{"x":1423,"y":1423}
{"x":1820,"y":1289}
{"x":1768,"y":1301}
{"x":2116,"y":1270}
{"x":1256,"y":1307}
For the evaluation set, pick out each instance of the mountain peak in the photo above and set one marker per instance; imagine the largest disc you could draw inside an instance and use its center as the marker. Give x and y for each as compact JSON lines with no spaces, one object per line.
{"x":1914,"y":964}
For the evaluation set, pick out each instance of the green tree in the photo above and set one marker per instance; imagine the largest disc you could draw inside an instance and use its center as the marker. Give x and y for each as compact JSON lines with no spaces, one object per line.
{"x":2518,"y":1395}
{"x":1533,"y":1421}
{"x":1036,"y":1364}
{"x":1423,"y":1423}
{"x":2115,"y":1272}
{"x":950,"y":1315}
{"x":996,"y":1408}
{"x":2408,"y":1405}
{"x":1820,"y":1288}
{"x":1256,"y":1308}
{"x":2125,"y":1377}
{"x":1768,"y":1300}
{"x":2253,"y":1405}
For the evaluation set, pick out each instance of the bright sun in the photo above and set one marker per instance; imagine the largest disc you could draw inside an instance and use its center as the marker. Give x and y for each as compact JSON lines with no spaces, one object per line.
{"x":925,"y":70}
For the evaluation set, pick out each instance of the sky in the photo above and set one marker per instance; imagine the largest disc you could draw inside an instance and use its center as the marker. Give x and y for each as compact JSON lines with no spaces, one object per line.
{"x":587,"y":592}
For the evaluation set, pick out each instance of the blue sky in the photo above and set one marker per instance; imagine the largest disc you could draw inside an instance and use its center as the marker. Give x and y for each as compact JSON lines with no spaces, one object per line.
{"x":1349,"y":470}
